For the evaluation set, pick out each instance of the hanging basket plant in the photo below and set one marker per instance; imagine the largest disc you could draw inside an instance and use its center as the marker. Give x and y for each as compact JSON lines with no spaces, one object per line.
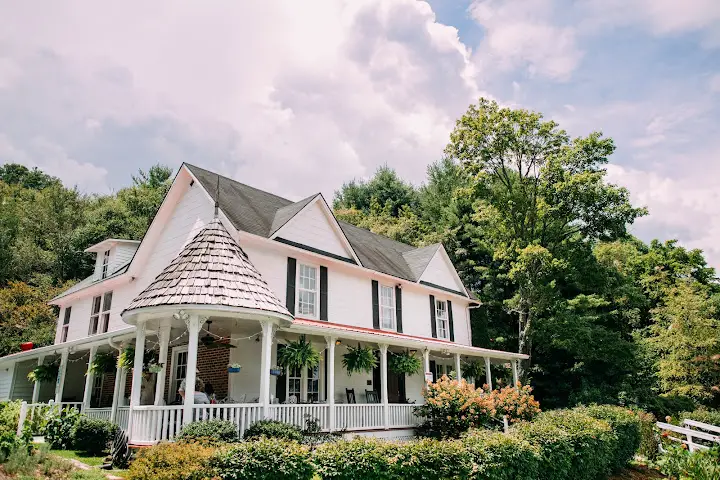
{"x":298,"y":354}
{"x":102,"y":363}
{"x":473,"y":369}
{"x":126,"y":359}
{"x":404,"y":363}
{"x":44,"y":373}
{"x":360,"y":359}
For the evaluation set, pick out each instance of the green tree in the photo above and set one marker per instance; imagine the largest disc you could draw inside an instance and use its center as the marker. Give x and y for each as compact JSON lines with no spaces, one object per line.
{"x":385,"y":188}
{"x":35,"y":179}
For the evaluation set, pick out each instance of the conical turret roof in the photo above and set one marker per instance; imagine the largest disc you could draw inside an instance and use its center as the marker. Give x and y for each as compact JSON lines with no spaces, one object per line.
{"x":212,"y":270}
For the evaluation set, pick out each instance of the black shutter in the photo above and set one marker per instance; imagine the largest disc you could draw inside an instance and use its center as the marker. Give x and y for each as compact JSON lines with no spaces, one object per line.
{"x":280,"y":392}
{"x":450,"y":321}
{"x":433,"y":326}
{"x":375,"y":305}
{"x":290,"y":292}
{"x":323,"y":294}
{"x":433,"y":370}
{"x":398,"y":308}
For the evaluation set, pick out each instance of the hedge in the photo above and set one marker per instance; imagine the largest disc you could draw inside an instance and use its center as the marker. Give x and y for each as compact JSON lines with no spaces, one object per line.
{"x":209,"y":432}
{"x":626,"y":425}
{"x":93,"y":435}
{"x":172,"y":461}
{"x":264,"y":459}
{"x":501,"y":457}
{"x":273,"y":429}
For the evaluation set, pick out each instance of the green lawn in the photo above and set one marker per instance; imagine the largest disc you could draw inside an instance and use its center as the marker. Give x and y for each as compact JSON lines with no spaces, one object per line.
{"x":80,"y":456}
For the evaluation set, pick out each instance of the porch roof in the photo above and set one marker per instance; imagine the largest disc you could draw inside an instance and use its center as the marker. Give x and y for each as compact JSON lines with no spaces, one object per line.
{"x":317,"y":327}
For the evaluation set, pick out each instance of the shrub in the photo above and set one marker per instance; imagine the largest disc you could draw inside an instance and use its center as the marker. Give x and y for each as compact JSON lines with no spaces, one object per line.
{"x":678,"y":462}
{"x":648,"y":435}
{"x":626,"y":425}
{"x":172,"y":461}
{"x":554,"y":448}
{"x":9,"y":418}
{"x":264,"y":458}
{"x":669,"y":405}
{"x":59,"y":428}
{"x":362,"y":457}
{"x":701,"y":415}
{"x":592,"y":442}
{"x":211,"y":431}
{"x":517,"y":403}
{"x":431,"y":459}
{"x":93,"y":435}
{"x":273,"y":429}
{"x":501,"y":457}
{"x":452,"y":407}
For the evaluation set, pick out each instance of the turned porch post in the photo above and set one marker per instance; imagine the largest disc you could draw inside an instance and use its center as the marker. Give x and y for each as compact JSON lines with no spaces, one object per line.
{"x":330,"y":393}
{"x":118,"y":391}
{"x":426,"y":362}
{"x":164,"y":339}
{"x":488,"y":374}
{"x":265,"y":360}
{"x":384,"y":385}
{"x":458,"y":373}
{"x":36,"y":385}
{"x":515,"y":372}
{"x":137,"y":373}
{"x":193,"y":323}
{"x":60,"y":383}
{"x":89,"y":378}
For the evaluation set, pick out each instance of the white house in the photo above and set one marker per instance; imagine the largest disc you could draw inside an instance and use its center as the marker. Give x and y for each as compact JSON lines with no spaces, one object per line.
{"x":228,"y":274}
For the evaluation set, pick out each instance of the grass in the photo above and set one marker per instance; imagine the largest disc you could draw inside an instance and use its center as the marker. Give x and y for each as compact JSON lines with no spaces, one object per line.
{"x":93,"y":461}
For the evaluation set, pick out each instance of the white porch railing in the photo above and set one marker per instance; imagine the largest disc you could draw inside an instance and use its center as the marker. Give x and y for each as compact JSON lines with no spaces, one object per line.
{"x":241,"y":414}
{"x":297,"y":414}
{"x":121,"y":418}
{"x":401,"y":415}
{"x":152,"y":424}
{"x":357,"y":416}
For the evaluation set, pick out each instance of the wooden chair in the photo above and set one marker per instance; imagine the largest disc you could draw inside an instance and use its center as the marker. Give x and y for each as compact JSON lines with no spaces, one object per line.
{"x":350,"y":393}
{"x":371,"y":396}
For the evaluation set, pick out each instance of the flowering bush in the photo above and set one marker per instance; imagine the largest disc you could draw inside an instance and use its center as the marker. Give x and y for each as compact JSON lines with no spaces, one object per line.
{"x":517,"y":403}
{"x":171,"y":461}
{"x":452,"y":407}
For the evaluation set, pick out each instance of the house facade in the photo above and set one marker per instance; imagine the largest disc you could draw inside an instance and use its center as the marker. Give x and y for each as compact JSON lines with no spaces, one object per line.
{"x":228,"y":274}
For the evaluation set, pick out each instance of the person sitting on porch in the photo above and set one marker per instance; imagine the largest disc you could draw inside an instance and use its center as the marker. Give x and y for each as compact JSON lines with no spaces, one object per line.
{"x":199,"y":396}
{"x":210,"y":392}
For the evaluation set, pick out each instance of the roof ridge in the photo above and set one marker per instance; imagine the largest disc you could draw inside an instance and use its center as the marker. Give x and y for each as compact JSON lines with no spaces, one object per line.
{"x":239,"y":183}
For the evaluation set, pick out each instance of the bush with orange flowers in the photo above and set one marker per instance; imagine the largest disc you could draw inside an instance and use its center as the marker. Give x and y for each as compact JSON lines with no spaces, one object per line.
{"x":517,"y":403}
{"x":452,"y":407}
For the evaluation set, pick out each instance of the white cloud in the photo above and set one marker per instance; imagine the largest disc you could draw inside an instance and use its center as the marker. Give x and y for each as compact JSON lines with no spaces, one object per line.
{"x":714,"y":83}
{"x":524,"y":33}
{"x":286,"y":97}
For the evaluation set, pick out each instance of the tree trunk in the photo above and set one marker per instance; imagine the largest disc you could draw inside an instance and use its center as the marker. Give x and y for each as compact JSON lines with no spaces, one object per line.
{"x":524,"y":343}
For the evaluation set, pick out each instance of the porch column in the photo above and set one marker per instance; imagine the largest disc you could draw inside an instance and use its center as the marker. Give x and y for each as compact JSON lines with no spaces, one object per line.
{"x":383,"y":385}
{"x":89,"y":378}
{"x":330,"y":393}
{"x":36,"y":385}
{"x":164,"y":339}
{"x":458,"y":373}
{"x":193,"y":325}
{"x":118,"y":391}
{"x":426,"y":362}
{"x":515,"y":372}
{"x":265,"y":360}
{"x":488,"y":374}
{"x":60,"y":383}
{"x":137,"y":374}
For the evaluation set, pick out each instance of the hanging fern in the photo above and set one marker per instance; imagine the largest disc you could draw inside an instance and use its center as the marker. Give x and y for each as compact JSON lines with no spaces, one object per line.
{"x":404,"y":363}
{"x":102,"y":363}
{"x":298,"y":354}
{"x":126,"y":359}
{"x":473,"y":369}
{"x":44,"y":373}
{"x":360,"y":359}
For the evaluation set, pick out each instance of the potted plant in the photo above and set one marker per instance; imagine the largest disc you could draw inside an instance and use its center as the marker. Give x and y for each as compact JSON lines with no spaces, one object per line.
{"x":44,"y":373}
{"x":360,"y":359}
{"x":234,"y":368}
{"x":298,"y":354}
{"x":276,"y":371}
{"x":155,"y":367}
{"x":102,"y":363}
{"x":404,"y":363}
{"x":25,"y":346}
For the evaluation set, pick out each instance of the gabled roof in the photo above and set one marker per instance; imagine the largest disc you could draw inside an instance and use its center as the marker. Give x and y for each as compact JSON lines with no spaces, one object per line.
{"x":211,"y":270}
{"x":262,"y":213}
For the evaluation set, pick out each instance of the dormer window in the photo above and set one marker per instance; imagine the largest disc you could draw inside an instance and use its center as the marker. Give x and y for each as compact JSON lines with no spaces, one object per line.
{"x":105,"y":263}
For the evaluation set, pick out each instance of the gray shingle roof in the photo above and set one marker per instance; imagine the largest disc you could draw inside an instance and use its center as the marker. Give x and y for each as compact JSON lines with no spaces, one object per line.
{"x":211,"y":270}
{"x":258,"y":212}
{"x":419,"y":258}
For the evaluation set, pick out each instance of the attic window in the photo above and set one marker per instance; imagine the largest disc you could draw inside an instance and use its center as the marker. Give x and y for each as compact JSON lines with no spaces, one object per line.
{"x":105,"y":263}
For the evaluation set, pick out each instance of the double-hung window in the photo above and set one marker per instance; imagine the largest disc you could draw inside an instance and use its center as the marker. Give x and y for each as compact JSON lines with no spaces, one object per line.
{"x":100,"y":314}
{"x":65,"y":325}
{"x":441,"y":317}
{"x":105,"y":263}
{"x":307,"y":291}
{"x":387,"y":307}
{"x":313,"y":384}
{"x":294,"y":379}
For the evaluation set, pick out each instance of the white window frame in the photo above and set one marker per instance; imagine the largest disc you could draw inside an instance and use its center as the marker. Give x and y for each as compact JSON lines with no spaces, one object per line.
{"x":95,"y":314}
{"x":442,"y":321}
{"x":105,"y":264}
{"x":298,"y":290}
{"x":312,"y":379}
{"x":104,"y":322}
{"x":299,"y":379}
{"x":97,"y":388}
{"x":384,"y":308}
{"x":66,"y":324}
{"x":174,"y":380}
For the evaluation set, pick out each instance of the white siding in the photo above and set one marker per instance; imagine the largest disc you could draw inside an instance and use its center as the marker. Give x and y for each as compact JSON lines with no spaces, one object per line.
{"x":22,"y":388}
{"x":349,"y":298}
{"x":312,"y":228}
{"x":120,"y":255}
{"x":6,"y":376}
{"x":441,"y":272}
{"x":79,"y":318}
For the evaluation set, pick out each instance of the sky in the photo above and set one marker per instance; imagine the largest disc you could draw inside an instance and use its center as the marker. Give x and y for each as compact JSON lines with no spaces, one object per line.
{"x":299,"y":97}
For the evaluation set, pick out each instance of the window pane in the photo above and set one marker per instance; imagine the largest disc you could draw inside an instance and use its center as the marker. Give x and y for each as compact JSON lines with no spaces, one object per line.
{"x":306,"y":304}
{"x":388,"y":317}
{"x":67,"y":315}
{"x":96,"y":305}
{"x":107,"y":301}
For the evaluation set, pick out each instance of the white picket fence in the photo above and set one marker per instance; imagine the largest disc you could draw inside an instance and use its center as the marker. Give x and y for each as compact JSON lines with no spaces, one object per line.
{"x":691,"y":433}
